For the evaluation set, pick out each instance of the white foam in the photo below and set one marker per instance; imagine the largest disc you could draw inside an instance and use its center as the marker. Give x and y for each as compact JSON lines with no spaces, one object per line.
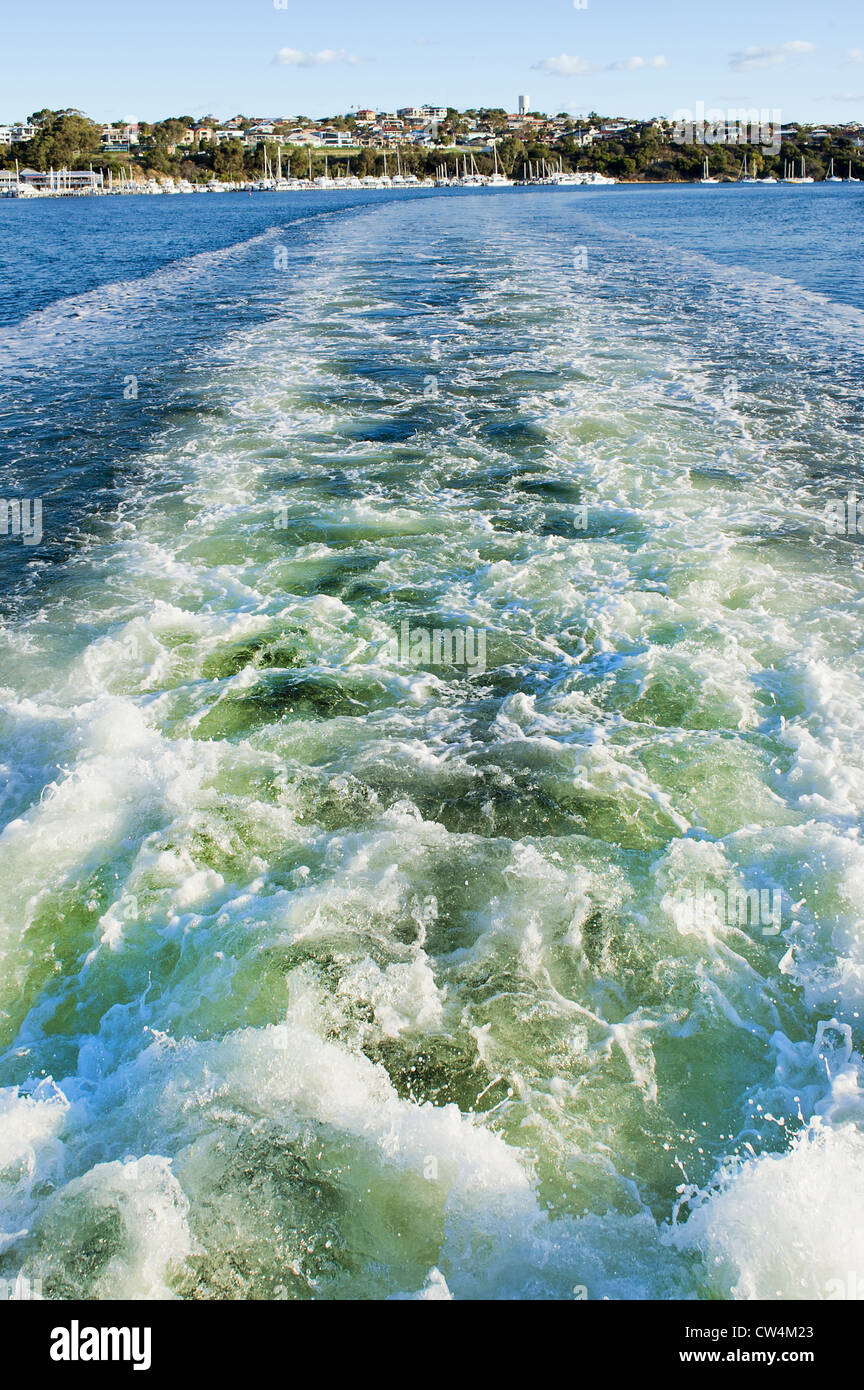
{"x":784,"y":1226}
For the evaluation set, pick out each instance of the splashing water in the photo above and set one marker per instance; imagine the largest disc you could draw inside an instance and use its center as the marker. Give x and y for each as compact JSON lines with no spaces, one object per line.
{"x":330,"y":971}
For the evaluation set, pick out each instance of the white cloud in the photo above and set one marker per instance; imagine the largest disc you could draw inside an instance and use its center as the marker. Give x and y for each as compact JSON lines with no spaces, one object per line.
{"x":855,"y":55}
{"x":633,"y":64}
{"x":294,"y":58}
{"x":753,"y":58}
{"x":565,"y":66}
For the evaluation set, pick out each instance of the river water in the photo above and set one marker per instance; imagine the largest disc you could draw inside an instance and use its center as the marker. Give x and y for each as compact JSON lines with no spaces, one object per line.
{"x":340,"y":964}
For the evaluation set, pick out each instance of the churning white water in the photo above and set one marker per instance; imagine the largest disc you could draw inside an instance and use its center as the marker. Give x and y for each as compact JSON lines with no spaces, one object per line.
{"x":334,"y":970}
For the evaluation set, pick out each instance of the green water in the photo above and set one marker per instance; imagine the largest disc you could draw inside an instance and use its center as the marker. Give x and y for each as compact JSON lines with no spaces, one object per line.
{"x":325,"y":969}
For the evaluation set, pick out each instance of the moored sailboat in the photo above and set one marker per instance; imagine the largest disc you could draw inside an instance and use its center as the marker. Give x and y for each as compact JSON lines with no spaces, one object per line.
{"x":706,"y":178}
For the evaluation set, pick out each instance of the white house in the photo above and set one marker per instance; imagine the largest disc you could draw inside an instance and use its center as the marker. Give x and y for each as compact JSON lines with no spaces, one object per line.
{"x":119,"y":137}
{"x":301,"y":137}
{"x":334,"y":139}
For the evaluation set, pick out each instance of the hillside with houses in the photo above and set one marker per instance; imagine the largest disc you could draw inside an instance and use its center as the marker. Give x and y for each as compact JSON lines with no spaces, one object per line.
{"x":423,"y":139}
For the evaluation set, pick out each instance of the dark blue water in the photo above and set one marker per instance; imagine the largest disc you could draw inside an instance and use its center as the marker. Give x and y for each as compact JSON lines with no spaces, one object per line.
{"x":68,"y":434}
{"x":53,"y":249}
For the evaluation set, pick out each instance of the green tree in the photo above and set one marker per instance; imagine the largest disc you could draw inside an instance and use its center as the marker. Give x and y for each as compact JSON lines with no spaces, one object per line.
{"x":228,"y":163}
{"x":170,"y":131}
{"x":512,"y":154}
{"x":63,"y":140}
{"x":159,"y":160}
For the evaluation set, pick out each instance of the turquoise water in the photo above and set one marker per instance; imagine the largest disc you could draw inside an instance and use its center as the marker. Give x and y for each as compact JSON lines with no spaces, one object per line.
{"x":334,"y":971}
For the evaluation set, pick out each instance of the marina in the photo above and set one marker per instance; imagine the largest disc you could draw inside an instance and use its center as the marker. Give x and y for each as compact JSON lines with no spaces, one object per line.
{"x":541,"y":173}
{"x":64,"y":183}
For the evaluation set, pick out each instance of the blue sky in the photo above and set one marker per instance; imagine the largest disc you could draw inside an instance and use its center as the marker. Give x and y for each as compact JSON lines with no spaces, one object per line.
{"x":274,"y":57}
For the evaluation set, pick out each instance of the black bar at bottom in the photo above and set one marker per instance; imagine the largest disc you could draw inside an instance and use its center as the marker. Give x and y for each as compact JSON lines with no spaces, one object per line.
{"x":88,"y":1339}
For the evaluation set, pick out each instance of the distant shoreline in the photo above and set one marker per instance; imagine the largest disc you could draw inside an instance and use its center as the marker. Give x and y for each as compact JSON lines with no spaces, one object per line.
{"x":33,"y":196}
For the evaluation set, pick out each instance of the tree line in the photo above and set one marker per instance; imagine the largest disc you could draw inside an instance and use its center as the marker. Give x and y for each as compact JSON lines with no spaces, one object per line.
{"x":68,"y":139}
